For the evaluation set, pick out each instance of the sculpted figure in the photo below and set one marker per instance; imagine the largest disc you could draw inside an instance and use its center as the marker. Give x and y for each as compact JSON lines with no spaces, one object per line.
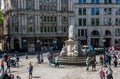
{"x":71,"y":32}
{"x":63,"y":52}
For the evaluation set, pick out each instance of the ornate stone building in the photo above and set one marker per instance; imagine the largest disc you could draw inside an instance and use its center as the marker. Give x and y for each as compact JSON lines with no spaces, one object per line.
{"x":97,"y":22}
{"x":43,"y":24}
{"x":35,"y":25}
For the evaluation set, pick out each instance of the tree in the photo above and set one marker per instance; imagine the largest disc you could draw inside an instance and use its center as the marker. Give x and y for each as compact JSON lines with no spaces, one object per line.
{"x":1,"y":18}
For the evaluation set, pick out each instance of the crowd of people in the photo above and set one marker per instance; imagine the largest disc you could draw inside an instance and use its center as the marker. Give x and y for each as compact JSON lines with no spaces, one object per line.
{"x":106,"y":60}
{"x":9,"y":61}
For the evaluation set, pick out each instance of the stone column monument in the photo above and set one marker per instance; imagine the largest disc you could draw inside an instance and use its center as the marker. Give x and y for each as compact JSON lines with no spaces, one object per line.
{"x":71,"y":45}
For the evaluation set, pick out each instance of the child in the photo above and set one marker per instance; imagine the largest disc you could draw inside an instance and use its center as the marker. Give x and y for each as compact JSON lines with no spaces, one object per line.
{"x":101,"y":73}
{"x":57,"y":61}
{"x":30,"y":70}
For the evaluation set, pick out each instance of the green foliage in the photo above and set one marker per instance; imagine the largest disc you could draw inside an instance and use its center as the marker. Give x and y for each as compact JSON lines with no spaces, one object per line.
{"x":1,"y":18}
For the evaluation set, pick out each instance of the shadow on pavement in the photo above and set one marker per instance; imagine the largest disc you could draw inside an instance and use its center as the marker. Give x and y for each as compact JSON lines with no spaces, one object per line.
{"x":36,"y":76}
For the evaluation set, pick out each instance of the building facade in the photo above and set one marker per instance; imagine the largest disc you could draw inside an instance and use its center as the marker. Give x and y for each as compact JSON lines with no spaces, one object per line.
{"x":35,"y":25}
{"x":97,"y":22}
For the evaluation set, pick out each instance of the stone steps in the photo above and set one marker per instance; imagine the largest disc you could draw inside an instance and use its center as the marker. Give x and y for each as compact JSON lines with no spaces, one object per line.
{"x":72,"y":60}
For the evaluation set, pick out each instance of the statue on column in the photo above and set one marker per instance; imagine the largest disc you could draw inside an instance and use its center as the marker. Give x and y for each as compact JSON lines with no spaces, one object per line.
{"x":71,"y":32}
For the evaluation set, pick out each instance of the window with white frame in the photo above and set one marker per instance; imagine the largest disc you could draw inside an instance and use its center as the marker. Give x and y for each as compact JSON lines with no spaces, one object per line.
{"x":117,"y":32}
{"x":117,"y":11}
{"x":117,"y":21}
{"x":82,"y":11}
{"x":95,"y":1}
{"x":107,"y":1}
{"x":82,"y":22}
{"x":94,"y":21}
{"x":15,"y":23}
{"x":82,"y":1}
{"x":29,"y":4}
{"x":94,"y":11}
{"x":117,"y":1}
{"x":107,"y":11}
{"x":82,"y":32}
{"x":107,"y":21}
{"x":14,"y":4}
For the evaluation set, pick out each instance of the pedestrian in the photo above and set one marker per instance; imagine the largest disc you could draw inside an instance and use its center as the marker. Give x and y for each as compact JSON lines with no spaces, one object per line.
{"x":109,"y":73}
{"x":8,"y":64}
{"x":5,"y":57}
{"x":101,"y":59}
{"x":41,"y":58}
{"x":17,"y":60}
{"x":115,"y":60}
{"x":50,"y":58}
{"x":57,"y":61}
{"x":93,"y":62}
{"x":101,"y":73}
{"x":38,"y":58}
{"x":88,"y":62}
{"x":30,"y":69}
{"x":2,"y":66}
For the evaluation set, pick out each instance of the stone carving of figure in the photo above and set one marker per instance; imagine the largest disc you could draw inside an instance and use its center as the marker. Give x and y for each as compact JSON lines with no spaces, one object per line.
{"x":71,"y":32}
{"x":63,"y":52}
{"x":75,"y":50}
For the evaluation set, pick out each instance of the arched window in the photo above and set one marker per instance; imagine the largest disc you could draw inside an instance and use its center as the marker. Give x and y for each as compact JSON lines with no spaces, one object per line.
{"x":107,"y":32}
{"x":95,"y":32}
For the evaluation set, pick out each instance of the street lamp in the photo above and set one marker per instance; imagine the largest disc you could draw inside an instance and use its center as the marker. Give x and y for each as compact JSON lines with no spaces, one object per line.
{"x":104,"y":51}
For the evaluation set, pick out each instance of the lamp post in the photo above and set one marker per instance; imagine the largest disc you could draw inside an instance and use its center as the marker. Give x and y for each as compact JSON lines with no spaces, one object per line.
{"x":104,"y":51}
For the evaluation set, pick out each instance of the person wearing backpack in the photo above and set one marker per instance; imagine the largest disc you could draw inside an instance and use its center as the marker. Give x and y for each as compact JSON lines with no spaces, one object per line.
{"x":109,"y":73}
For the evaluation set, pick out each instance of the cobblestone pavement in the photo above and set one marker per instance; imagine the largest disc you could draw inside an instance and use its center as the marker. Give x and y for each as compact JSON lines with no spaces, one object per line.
{"x":43,"y":71}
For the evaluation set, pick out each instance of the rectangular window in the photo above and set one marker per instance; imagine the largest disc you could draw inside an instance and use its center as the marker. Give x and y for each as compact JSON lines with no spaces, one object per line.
{"x":117,"y":1}
{"x":97,"y":1}
{"x":82,"y":1}
{"x":84,"y":22}
{"x":117,"y":21}
{"x":92,"y":11}
{"x":84,"y":11}
{"x":82,"y":32}
{"x":80,"y":22}
{"x":93,"y":22}
{"x":97,"y":21}
{"x":107,"y":1}
{"x":117,"y":11}
{"x":97,"y":11}
{"x":78,"y":32}
{"x":107,"y":11}
{"x":107,"y":21}
{"x":80,"y":11}
{"x":92,"y":1}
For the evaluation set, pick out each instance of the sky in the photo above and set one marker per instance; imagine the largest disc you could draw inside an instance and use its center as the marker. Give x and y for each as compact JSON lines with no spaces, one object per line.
{"x":2,"y":5}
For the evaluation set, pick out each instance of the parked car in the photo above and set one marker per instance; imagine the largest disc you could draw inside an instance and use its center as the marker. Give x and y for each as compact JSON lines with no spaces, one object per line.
{"x":117,"y":48}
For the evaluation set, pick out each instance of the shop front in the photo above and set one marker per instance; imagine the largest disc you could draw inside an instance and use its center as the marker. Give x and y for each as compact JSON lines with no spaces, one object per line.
{"x":31,"y":44}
